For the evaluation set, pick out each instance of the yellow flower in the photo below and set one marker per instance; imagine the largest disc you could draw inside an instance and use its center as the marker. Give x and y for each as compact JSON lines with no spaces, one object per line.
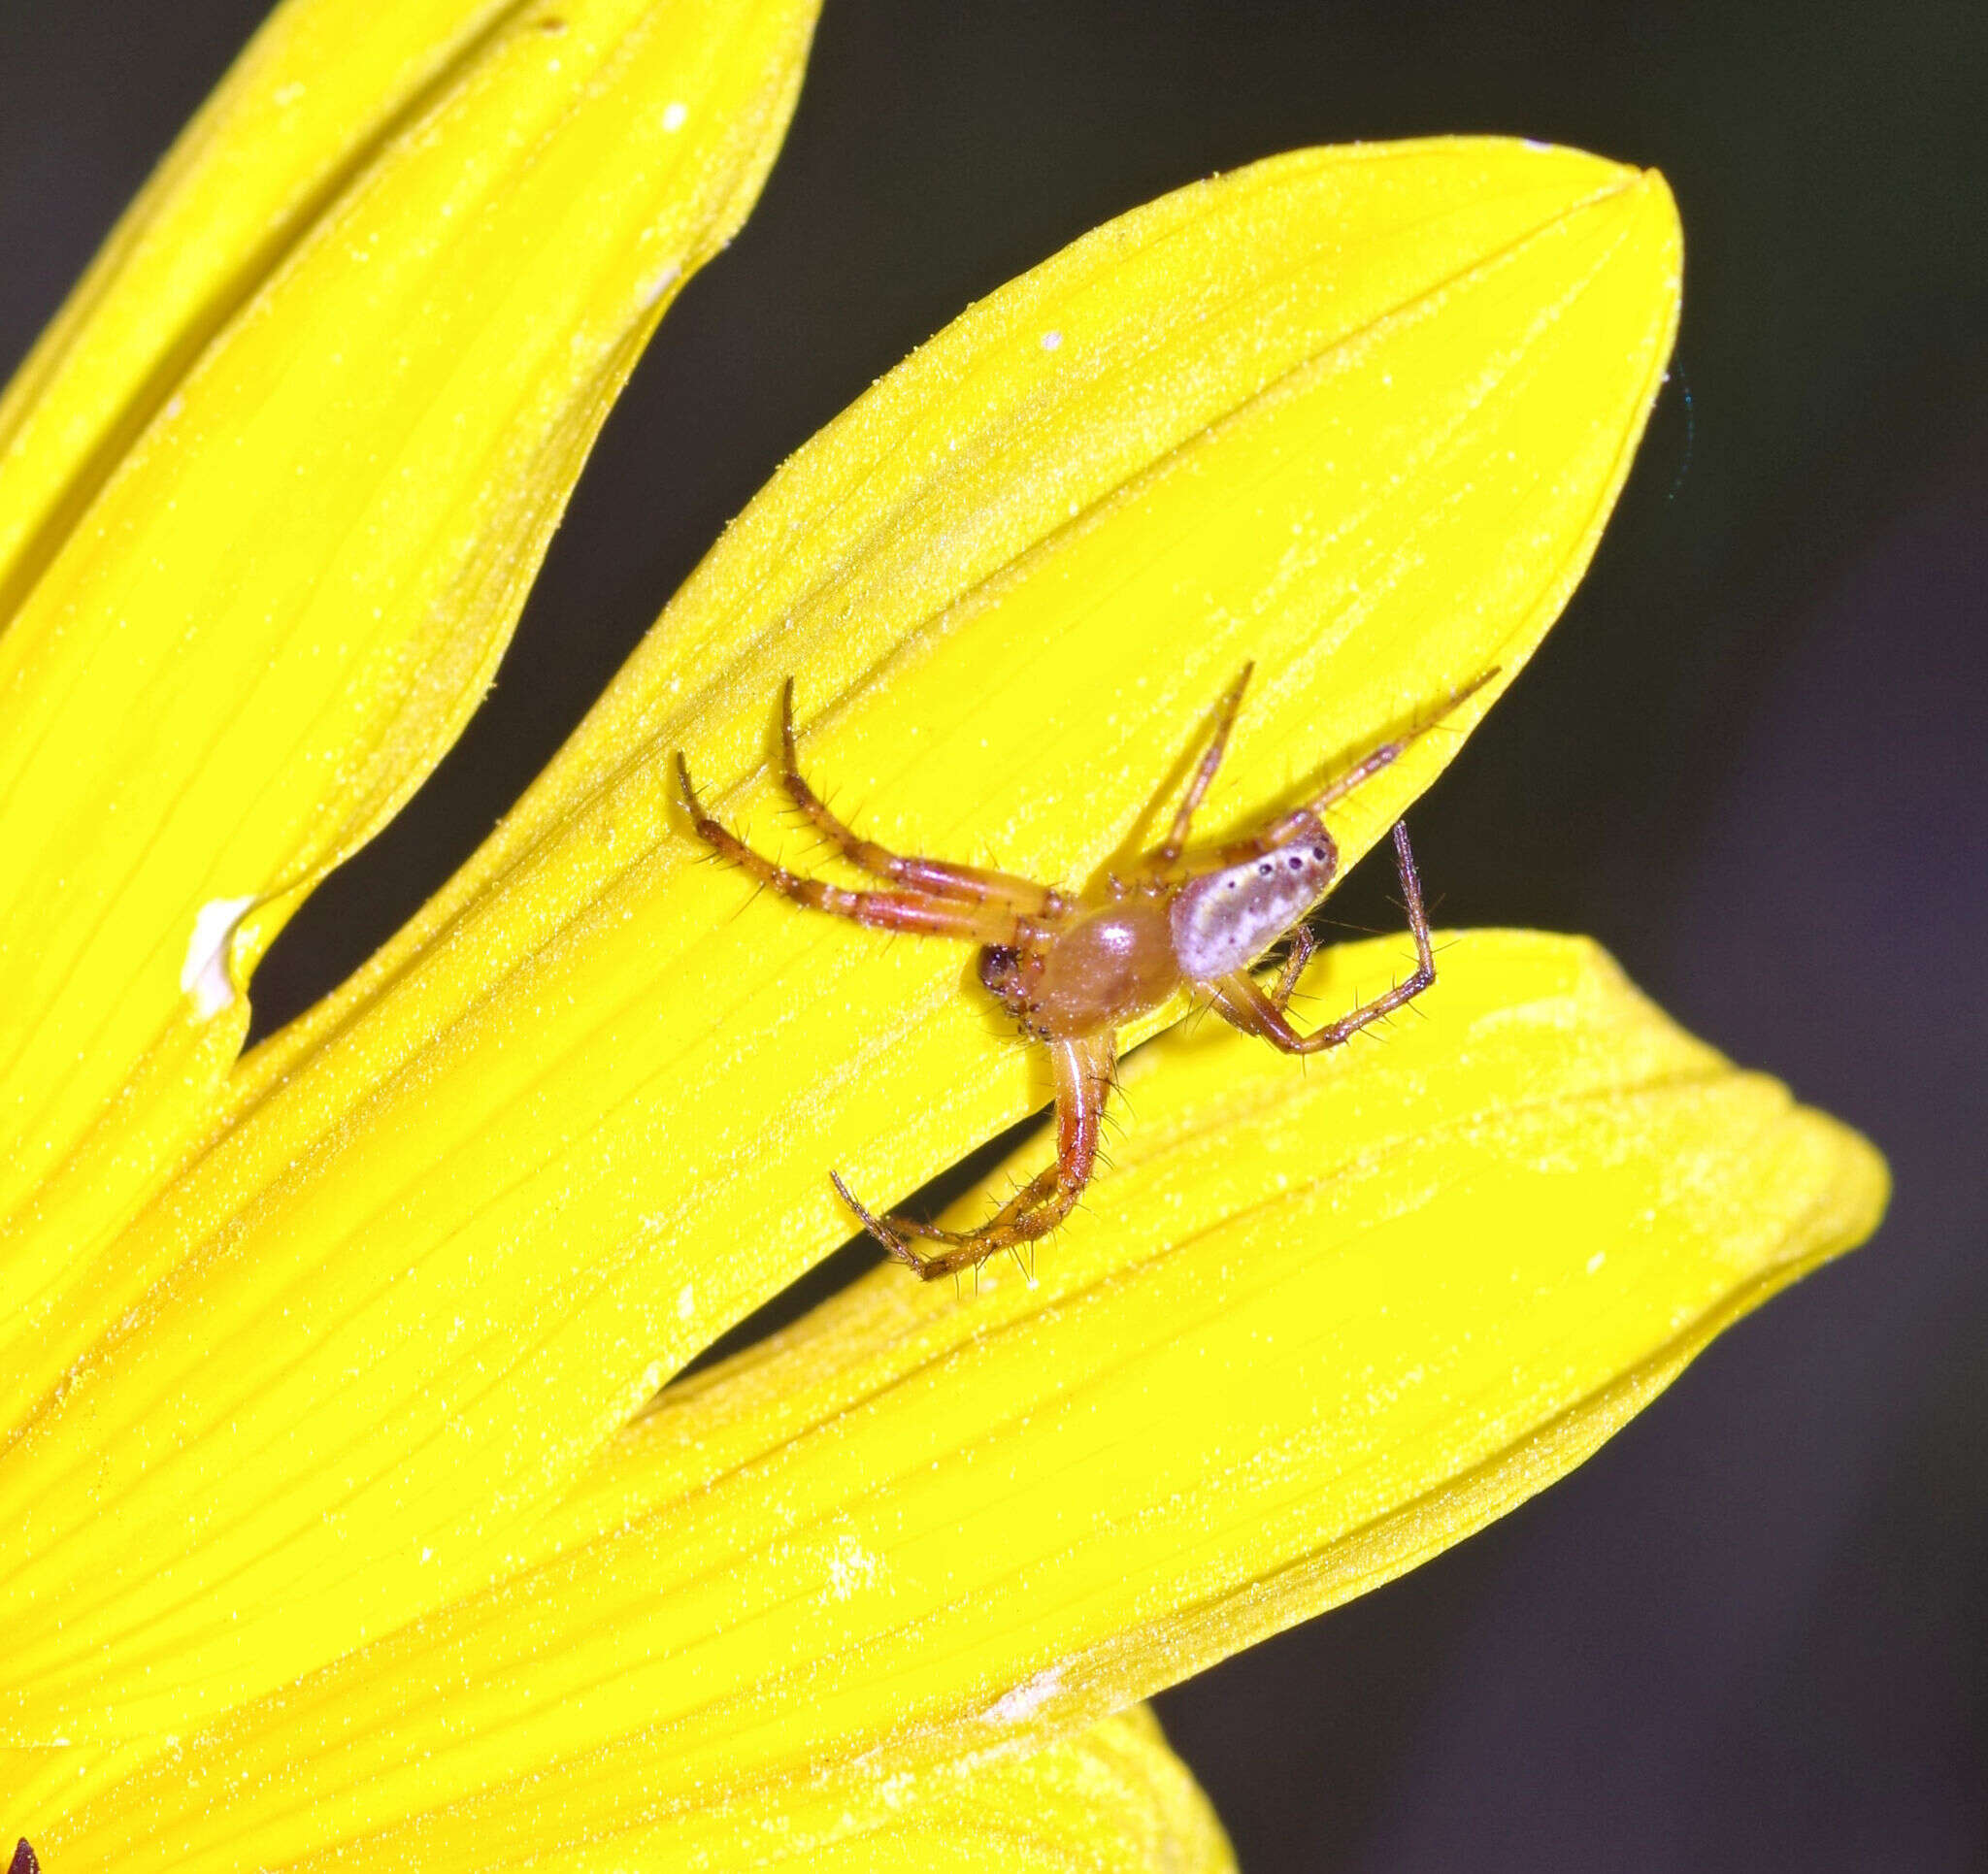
{"x":349,"y":1515}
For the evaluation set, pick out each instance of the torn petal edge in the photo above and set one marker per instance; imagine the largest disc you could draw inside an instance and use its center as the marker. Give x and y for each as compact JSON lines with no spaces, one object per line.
{"x":207,"y":974}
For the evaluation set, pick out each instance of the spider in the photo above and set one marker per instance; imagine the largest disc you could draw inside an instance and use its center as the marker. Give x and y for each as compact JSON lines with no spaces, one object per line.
{"x":1072,"y":968}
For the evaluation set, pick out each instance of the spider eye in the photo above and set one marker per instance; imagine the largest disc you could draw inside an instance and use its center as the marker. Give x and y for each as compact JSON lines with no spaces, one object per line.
{"x":998,"y":961}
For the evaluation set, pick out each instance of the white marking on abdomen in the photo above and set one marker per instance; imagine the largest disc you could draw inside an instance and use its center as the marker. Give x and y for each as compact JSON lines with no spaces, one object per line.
{"x":1224,"y":921}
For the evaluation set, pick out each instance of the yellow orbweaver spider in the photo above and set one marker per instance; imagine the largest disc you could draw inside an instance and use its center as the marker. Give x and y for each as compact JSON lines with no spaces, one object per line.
{"x":1072,"y":968}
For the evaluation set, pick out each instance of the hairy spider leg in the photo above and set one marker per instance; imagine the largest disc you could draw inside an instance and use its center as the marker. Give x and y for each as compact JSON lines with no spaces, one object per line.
{"x":1084,"y":1072}
{"x":1390,"y":752}
{"x":1303,"y":945}
{"x":1163,"y":856}
{"x":1301,"y":819}
{"x":1241,"y":1001}
{"x":913,"y":911}
{"x":935,"y":878}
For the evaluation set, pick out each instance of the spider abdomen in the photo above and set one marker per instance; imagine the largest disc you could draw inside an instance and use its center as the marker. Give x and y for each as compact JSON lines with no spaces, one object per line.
{"x":1222,"y":921}
{"x":1116,"y":963}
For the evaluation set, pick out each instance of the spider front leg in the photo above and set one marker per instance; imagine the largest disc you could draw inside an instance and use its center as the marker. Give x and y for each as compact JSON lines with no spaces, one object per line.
{"x":933,"y":878}
{"x":918,"y":912}
{"x":1241,"y":1001}
{"x":1083,"y":1081}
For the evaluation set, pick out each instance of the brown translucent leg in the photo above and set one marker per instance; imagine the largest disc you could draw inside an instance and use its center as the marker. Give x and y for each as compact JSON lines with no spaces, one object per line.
{"x":1163,"y":855}
{"x":1303,"y":945}
{"x":934,"y":877}
{"x":1241,"y":1001}
{"x":1084,"y":1082}
{"x":912,"y":911}
{"x":1303,"y":819}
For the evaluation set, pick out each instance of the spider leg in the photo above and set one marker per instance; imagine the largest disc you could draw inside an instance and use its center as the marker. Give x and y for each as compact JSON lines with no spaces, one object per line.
{"x":1162,"y":856}
{"x":897,"y":1232}
{"x":935,"y":878}
{"x":1242,"y":1003}
{"x":1301,"y":821}
{"x":1303,"y":945}
{"x":1083,"y":1081}
{"x":912,"y":911}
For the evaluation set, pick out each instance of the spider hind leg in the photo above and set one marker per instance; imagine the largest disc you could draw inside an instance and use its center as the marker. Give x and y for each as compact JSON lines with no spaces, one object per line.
{"x":1163,"y":857}
{"x":1242,"y":1003}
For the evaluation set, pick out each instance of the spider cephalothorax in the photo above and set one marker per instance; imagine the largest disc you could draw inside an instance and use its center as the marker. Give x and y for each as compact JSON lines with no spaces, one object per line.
{"x":1074,"y":967}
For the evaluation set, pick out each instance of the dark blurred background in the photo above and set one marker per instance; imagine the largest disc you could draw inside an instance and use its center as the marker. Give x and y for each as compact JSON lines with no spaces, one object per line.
{"x":1753,"y":760}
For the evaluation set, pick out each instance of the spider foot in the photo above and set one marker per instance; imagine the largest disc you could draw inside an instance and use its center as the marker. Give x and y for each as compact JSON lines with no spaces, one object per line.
{"x":880,"y":1227}
{"x":959,"y":1253}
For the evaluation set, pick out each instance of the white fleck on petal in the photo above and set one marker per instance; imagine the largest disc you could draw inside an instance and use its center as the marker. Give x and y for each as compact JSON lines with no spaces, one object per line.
{"x":850,"y":1566}
{"x":673,"y":114}
{"x":204,"y":975}
{"x":1051,"y":339}
{"x":659,"y":284}
{"x":1018,"y":1706}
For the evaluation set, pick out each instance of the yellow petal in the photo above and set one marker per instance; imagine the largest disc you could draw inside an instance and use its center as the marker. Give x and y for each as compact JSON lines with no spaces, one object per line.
{"x":1113,"y":1799}
{"x":251,"y":643}
{"x":1314,"y":1327}
{"x":313,"y":94}
{"x":1358,"y":415}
